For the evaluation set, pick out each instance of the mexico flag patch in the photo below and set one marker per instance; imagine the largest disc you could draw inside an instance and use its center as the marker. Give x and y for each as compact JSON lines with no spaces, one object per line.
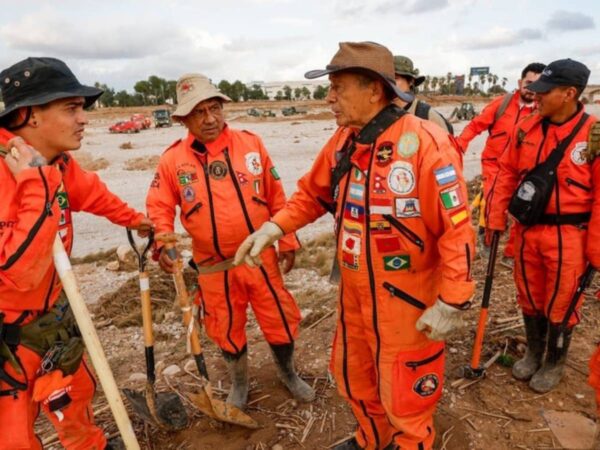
{"x":451,"y":197}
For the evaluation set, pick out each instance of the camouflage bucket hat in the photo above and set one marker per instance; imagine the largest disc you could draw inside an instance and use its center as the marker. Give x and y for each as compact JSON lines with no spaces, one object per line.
{"x":404,"y":66}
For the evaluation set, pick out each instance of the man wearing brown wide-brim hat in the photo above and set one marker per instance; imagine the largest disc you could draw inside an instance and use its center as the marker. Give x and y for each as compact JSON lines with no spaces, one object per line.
{"x":404,"y":246}
{"x":226,"y":186}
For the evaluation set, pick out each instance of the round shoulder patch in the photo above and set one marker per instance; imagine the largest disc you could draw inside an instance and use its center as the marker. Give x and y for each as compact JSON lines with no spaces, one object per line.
{"x":578,"y":153}
{"x":401,"y":178}
{"x":253,"y":163}
{"x":408,"y":144}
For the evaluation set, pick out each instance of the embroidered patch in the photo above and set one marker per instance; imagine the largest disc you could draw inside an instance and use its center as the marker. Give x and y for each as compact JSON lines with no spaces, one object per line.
{"x":349,"y":261}
{"x":408,"y":144}
{"x":459,"y":216}
{"x":401,"y":179}
{"x":358,"y":175}
{"x":380,"y":206}
{"x":408,"y":207}
{"x":396,"y":262}
{"x":65,"y":217}
{"x":378,"y":184}
{"x":578,"y":153}
{"x":426,"y":385}
{"x":274,"y":173}
{"x":253,"y":163}
{"x":155,"y":181}
{"x":351,"y":243}
{"x":217,"y":170}
{"x":256,"y":184}
{"x":242,"y":178}
{"x":62,"y":200}
{"x":388,"y":244}
{"x":451,"y":197}
{"x":384,"y":153}
{"x":186,"y":178}
{"x":353,"y":227}
{"x":445,"y":175}
{"x":380,"y":227}
{"x":353,"y":211}
{"x":188,"y":193}
{"x":357,"y":191}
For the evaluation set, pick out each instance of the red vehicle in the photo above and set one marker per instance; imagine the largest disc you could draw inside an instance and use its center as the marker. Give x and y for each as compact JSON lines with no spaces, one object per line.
{"x":144,"y":120}
{"x":126,"y":126}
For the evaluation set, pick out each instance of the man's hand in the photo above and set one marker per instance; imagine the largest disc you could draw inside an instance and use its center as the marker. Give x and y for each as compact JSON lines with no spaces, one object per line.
{"x":440,"y":321}
{"x":166,"y":263}
{"x":254,"y":244}
{"x":286,"y":260}
{"x":22,"y":156}
{"x":144,"y":227}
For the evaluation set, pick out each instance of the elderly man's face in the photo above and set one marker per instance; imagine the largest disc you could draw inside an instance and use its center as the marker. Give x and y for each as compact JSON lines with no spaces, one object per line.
{"x":350,"y":101}
{"x":206,"y":120}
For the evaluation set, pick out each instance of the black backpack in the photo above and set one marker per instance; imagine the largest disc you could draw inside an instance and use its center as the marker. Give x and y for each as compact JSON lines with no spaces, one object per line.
{"x":531,"y":198}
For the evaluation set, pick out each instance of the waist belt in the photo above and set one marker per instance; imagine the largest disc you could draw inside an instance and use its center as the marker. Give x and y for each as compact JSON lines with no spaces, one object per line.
{"x":565,"y":219}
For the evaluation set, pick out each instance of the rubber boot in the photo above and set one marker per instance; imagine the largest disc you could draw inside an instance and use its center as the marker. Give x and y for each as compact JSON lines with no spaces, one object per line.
{"x":548,"y":377}
{"x":536,"y":329}
{"x":115,"y":443}
{"x":350,"y":444}
{"x":237,"y":365}
{"x":284,"y":357}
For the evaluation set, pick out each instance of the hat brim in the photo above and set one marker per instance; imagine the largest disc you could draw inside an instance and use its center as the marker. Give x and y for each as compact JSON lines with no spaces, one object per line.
{"x":89,"y":93}
{"x":318,"y":73}
{"x":541,"y":86}
{"x":417,"y":80}
{"x":183,"y":109}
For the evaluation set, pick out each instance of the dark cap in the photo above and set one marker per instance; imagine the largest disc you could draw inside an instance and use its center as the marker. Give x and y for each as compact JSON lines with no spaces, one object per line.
{"x":404,"y":67}
{"x":368,"y":56}
{"x":38,"y":81}
{"x":564,"y":72}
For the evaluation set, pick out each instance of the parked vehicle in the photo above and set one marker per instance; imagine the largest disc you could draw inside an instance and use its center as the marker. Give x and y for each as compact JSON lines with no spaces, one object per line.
{"x":143,"y":119}
{"x":125,"y":126}
{"x":466,"y":111}
{"x":293,"y":110}
{"x":255,"y":112}
{"x":162,"y":118}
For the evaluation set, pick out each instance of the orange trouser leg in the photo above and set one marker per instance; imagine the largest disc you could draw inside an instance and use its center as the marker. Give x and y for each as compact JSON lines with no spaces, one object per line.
{"x":594,"y":377}
{"x":509,"y":249}
{"x":76,"y":428}
{"x":529,"y":273}
{"x":225,"y":298}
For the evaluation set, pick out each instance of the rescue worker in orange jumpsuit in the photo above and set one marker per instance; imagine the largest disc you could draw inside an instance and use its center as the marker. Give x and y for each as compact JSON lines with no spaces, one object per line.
{"x":404,"y":244}
{"x":499,"y":118}
{"x":44,"y":106}
{"x":551,"y":253}
{"x":226,"y":186}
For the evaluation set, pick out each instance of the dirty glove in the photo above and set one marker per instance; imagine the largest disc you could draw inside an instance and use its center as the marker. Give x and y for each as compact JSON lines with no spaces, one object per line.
{"x":593,"y":148}
{"x":440,"y":321}
{"x":250,"y":250}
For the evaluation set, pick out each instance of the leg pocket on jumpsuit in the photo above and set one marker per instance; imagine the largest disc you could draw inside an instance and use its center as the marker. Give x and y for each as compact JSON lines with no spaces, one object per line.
{"x":418,"y":379}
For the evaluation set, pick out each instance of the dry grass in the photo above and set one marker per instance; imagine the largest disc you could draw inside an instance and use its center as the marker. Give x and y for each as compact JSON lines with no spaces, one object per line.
{"x":142,"y":163}
{"x":317,"y":254}
{"x":88,"y":162}
{"x":126,"y":145}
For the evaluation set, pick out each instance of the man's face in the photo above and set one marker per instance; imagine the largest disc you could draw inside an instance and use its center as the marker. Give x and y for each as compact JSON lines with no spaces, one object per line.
{"x":551,"y":102}
{"x":526,"y":95}
{"x":350,"y":101}
{"x":206,"y":120}
{"x":61,"y":123}
{"x":403,"y":83}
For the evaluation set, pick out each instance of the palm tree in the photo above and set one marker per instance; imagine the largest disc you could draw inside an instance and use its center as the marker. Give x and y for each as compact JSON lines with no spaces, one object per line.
{"x":481,"y":80}
{"x":434,"y":83}
{"x":504,"y":81}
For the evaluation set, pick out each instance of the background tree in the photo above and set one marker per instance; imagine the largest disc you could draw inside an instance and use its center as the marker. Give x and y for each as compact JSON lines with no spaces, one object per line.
{"x":434,"y":83}
{"x":320,"y":92}
{"x":297,"y":93}
{"x":287,"y":92}
{"x":305,"y":93}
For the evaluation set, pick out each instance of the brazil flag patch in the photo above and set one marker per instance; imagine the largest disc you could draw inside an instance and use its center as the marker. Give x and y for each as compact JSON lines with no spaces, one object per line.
{"x":274,"y":173}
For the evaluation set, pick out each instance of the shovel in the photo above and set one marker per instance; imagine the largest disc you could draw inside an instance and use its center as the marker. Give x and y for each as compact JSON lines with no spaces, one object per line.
{"x":203,"y":400}
{"x":165,"y":408}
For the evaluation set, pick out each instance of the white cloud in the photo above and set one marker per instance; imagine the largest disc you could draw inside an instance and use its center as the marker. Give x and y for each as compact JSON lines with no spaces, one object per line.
{"x":501,"y":37}
{"x":570,"y":21}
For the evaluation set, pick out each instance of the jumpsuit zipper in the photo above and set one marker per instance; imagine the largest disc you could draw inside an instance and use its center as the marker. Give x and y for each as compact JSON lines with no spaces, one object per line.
{"x":212,"y":211}
{"x":414,"y":364}
{"x":411,"y":235}
{"x":195,"y":208}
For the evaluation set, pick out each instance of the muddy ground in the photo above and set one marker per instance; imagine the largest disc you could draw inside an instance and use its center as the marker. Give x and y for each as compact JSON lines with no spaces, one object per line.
{"x":494,"y":413}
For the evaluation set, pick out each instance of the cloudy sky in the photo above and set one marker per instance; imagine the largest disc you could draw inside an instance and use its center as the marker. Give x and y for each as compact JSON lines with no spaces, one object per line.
{"x":120,"y":42}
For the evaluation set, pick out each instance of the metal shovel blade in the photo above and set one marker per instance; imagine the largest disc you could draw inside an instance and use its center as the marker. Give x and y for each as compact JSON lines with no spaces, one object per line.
{"x":163,"y":409}
{"x":219,"y":410}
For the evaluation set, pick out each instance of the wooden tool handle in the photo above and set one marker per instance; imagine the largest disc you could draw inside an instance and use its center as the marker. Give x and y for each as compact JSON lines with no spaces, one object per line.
{"x":146,"y":309}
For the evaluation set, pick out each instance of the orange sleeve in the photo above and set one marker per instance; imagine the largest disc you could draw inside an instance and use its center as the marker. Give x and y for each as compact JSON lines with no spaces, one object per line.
{"x":450,"y":224}
{"x":26,"y":246}
{"x":479,"y":124}
{"x":275,"y":196}
{"x":163,"y":197}
{"x":88,"y":193}
{"x":304,"y":206}
{"x":593,"y":237}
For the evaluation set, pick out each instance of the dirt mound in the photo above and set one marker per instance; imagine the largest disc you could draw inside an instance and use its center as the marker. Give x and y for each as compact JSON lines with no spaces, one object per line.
{"x":88,"y":162}
{"x":127,"y":145}
{"x":142,"y":163}
{"x":317,"y":254}
{"x":325,"y":115}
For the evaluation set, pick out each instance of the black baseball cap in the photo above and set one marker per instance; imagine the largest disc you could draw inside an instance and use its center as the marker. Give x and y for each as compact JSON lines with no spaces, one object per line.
{"x":563,"y":72}
{"x":38,"y":81}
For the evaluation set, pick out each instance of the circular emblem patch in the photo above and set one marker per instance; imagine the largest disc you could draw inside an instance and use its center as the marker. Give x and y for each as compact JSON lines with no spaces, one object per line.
{"x":188,"y":194}
{"x":578,"y":154}
{"x":408,"y":144}
{"x":426,"y":385}
{"x":384,"y":153}
{"x":401,"y":179}
{"x":217,"y":170}
{"x":253,"y":163}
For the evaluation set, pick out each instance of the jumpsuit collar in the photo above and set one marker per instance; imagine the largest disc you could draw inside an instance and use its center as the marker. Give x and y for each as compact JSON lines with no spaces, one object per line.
{"x":215,"y":147}
{"x":562,"y":130}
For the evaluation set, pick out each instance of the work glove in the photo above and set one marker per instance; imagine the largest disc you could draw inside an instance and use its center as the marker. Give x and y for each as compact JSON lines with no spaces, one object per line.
{"x":250,"y":250}
{"x":593,"y":148}
{"x":440,"y":321}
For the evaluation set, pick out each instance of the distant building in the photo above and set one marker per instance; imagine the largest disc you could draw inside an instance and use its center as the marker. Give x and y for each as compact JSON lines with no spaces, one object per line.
{"x":272,"y":87}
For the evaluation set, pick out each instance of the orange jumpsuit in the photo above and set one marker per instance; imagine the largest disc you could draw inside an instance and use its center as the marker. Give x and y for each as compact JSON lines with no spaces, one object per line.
{"x":37,"y":205}
{"x":225,"y":190}
{"x":404,"y":238}
{"x":551,"y":258}
{"x":497,"y":142}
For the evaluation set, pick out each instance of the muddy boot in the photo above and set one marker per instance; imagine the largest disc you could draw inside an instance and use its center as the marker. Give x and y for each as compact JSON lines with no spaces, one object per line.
{"x":115,"y":443}
{"x":548,"y":377}
{"x":350,"y":444}
{"x":237,"y":366}
{"x":536,"y":329}
{"x":284,"y":357}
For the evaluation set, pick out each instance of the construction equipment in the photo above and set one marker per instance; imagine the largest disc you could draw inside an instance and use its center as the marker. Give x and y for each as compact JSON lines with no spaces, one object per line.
{"x":466,"y":111}
{"x":162,"y":118}
{"x":475,"y":370}
{"x":164,"y":409}
{"x":204,"y":400}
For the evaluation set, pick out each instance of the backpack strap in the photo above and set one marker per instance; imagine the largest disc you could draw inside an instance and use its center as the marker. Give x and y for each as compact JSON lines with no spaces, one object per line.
{"x":422,"y":110}
{"x":501,"y":110}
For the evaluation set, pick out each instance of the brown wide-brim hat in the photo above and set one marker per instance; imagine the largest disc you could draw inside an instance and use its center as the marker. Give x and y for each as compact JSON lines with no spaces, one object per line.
{"x":364,"y":56}
{"x":193,"y":88}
